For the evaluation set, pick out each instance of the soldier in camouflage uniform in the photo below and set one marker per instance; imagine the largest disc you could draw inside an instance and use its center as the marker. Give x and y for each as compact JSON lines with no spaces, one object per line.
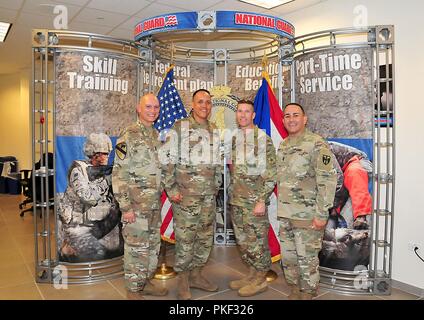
{"x":89,"y":228}
{"x":253,"y":177}
{"x":137,"y":186}
{"x":306,"y":188}
{"x":193,"y":181}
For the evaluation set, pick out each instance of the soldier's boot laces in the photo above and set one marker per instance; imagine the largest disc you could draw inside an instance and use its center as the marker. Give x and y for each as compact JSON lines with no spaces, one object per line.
{"x":153,"y":290}
{"x":183,"y":292}
{"x":257,"y":285}
{"x":238,"y":284}
{"x":294,"y":293}
{"x":200,"y":282}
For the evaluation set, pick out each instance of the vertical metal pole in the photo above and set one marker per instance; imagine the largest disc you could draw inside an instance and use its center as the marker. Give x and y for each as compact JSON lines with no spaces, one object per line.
{"x":374,"y":214}
{"x":388,"y":162}
{"x":378,"y":160}
{"x":280,"y":82}
{"x":54,"y":154}
{"x":42,"y":150}
{"x":46,"y":211}
{"x":392,"y":128}
{"x":34,"y":208}
{"x":292,"y":82}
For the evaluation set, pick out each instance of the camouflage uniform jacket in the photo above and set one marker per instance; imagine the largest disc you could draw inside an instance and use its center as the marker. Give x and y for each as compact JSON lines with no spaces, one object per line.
{"x":307,"y":178}
{"x":187,"y":174}
{"x":136,"y":176}
{"x":83,"y":194}
{"x":253,"y":168}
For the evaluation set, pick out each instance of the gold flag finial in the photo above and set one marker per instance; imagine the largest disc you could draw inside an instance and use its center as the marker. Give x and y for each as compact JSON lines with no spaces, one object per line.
{"x":264,"y":61}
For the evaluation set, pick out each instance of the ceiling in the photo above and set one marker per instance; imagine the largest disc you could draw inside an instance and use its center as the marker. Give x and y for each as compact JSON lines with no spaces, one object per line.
{"x":109,"y":17}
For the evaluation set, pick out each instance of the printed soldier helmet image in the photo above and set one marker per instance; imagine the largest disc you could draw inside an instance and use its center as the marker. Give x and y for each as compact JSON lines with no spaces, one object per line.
{"x":97,"y":143}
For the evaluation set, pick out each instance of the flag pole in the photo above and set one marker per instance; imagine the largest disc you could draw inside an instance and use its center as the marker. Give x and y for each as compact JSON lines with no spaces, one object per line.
{"x":164,"y":272}
{"x":271,"y":275}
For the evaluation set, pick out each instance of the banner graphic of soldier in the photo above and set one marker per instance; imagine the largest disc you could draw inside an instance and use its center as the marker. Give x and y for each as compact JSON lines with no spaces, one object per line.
{"x":95,"y":99}
{"x":334,"y":86}
{"x":189,"y":77}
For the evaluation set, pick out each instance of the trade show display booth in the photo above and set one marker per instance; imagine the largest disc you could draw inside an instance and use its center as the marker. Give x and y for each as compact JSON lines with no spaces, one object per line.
{"x":86,"y":87}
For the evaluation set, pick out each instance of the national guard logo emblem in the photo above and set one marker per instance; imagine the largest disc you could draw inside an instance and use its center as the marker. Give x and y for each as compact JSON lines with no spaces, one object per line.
{"x":326,"y":159}
{"x":121,"y":150}
{"x":224,"y":107}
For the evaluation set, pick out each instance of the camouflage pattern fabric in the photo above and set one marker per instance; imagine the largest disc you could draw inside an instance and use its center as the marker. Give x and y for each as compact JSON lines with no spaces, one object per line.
{"x":252,"y":237}
{"x":194,"y":218}
{"x":194,"y":173}
{"x":136,"y":176}
{"x":252,"y":181}
{"x":307,"y":178}
{"x":299,"y":249}
{"x":87,"y":201}
{"x":137,"y":186}
{"x":197,"y":176}
{"x":141,"y":249}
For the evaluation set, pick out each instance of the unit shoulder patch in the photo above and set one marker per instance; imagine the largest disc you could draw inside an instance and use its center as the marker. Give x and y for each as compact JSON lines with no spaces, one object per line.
{"x":121,"y":150}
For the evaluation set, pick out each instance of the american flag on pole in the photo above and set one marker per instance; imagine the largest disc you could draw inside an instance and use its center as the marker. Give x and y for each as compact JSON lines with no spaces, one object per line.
{"x":269,"y":117}
{"x":171,"y":110}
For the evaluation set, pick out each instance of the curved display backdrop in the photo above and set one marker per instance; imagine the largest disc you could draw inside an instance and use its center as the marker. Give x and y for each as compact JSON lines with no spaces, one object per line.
{"x":97,"y":81}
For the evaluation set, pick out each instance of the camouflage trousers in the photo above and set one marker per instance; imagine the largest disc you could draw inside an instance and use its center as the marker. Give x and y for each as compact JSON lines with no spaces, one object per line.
{"x":141,"y":249}
{"x":299,"y":250}
{"x":252,"y":237}
{"x":194,"y":220}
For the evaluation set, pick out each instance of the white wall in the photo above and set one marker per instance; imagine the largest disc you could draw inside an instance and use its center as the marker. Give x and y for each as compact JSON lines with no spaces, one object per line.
{"x":407,"y":18}
{"x":15,"y":135}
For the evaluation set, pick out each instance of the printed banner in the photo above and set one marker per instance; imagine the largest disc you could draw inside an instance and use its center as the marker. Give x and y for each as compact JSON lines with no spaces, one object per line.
{"x":253,"y":21}
{"x":224,"y":20}
{"x":189,"y":77}
{"x":334,"y":86}
{"x":96,"y":95}
{"x":246,"y":78}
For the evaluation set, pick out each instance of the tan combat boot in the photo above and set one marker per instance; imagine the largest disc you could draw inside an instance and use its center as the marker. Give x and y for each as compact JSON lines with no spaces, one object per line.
{"x":238,"y":284}
{"x":131,"y":295}
{"x":257,"y":285}
{"x":200,"y":282}
{"x":153,"y":290}
{"x":294,"y":293}
{"x":183,"y":288}
{"x":307,"y":295}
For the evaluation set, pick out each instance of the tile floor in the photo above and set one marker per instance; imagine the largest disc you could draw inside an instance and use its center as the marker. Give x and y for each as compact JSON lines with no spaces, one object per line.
{"x":17,"y":270}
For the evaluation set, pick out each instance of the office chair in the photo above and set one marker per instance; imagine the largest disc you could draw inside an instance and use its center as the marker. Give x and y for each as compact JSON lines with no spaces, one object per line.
{"x":26,"y":182}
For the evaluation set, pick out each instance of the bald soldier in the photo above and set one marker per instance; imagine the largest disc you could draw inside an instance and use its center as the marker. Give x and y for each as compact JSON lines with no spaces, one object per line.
{"x":253,"y":177}
{"x":137,"y":186}
{"x":192,"y":183}
{"x":306,"y":188}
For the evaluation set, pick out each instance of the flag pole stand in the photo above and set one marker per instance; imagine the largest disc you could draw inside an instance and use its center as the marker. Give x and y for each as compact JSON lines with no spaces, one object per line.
{"x":271,"y":275}
{"x":164,"y":272}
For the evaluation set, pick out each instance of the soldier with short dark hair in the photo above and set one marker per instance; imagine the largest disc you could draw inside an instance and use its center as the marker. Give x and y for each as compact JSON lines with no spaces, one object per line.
{"x":306,"y":188}
{"x":253,"y":177}
{"x":193,"y":181}
{"x":137,"y":186}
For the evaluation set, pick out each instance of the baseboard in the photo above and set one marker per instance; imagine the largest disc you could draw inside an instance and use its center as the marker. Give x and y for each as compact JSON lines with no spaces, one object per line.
{"x":408,"y":288}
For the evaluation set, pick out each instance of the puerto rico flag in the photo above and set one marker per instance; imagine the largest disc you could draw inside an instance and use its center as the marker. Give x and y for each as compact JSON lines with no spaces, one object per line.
{"x":269,"y":117}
